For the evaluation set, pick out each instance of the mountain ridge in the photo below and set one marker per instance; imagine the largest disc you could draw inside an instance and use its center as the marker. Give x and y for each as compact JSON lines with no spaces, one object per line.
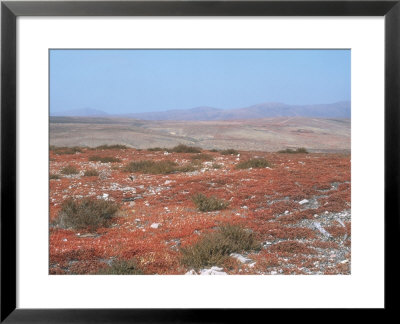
{"x":341,"y":109}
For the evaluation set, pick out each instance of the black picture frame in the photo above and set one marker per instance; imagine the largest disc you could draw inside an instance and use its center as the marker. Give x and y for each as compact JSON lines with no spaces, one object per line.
{"x":10,"y":10}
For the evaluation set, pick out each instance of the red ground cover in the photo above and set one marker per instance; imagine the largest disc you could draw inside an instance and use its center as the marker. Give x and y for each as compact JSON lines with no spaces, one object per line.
{"x":312,"y":237}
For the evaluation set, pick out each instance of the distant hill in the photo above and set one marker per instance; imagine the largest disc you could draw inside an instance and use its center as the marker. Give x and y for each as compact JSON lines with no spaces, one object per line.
{"x":84,"y":112}
{"x":263,"y":110}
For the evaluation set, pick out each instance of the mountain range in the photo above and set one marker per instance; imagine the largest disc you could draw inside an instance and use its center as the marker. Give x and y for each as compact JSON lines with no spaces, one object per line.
{"x":264,"y":110}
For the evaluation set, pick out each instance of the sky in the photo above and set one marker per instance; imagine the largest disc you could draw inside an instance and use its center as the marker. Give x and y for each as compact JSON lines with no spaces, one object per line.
{"x":132,"y":81}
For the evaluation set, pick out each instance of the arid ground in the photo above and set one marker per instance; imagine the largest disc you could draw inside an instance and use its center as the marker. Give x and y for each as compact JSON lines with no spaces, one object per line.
{"x":267,"y":135}
{"x":296,"y":207}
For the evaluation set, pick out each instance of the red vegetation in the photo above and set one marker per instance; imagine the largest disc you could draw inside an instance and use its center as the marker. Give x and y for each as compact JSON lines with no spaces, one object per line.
{"x":265,"y":200}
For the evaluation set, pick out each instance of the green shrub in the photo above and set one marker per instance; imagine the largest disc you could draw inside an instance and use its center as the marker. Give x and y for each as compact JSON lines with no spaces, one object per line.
{"x":152,"y":167}
{"x":202,"y":157}
{"x":65,"y":150}
{"x":156,"y":149}
{"x":122,"y":267}
{"x":91,"y":173}
{"x":214,"y":248}
{"x":69,"y":169}
{"x":229,"y":152}
{"x":205,"y":204}
{"x":54,"y":176}
{"x":214,"y":150}
{"x":188,"y":168}
{"x":103,"y":159}
{"x":86,"y":213}
{"x":253,"y":163}
{"x":111,"y":147}
{"x":290,"y":151}
{"x":216,"y":166}
{"x":181,"y":148}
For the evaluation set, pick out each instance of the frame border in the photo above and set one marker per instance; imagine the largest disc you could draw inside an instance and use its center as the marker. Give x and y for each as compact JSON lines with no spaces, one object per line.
{"x":10,"y":10}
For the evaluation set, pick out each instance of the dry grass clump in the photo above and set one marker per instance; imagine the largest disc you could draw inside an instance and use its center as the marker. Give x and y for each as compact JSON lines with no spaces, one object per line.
{"x":216,"y":166}
{"x":156,"y":149}
{"x":122,"y":267}
{"x":64,"y":149}
{"x":188,"y":167}
{"x":103,"y":159}
{"x":290,"y":151}
{"x":91,"y":173}
{"x":214,"y":248}
{"x":202,"y":157}
{"x":152,"y":167}
{"x":229,"y":152}
{"x":253,"y":163}
{"x":206,"y":204}
{"x":86,"y":213}
{"x":158,"y":167}
{"x":181,"y":148}
{"x":111,"y":147}
{"x":54,"y":176}
{"x":69,"y":169}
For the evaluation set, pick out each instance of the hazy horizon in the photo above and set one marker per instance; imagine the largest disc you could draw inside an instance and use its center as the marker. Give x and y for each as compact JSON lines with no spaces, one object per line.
{"x":137,"y":81}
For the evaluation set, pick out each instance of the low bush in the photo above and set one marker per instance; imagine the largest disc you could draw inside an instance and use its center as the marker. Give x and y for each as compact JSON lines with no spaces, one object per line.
{"x":152,"y":167}
{"x":253,"y":163}
{"x":214,"y":150}
{"x":54,"y":176}
{"x":216,"y":166}
{"x":188,"y":168}
{"x":86,"y":213}
{"x":111,"y":147}
{"x":181,"y":148}
{"x":214,"y":248}
{"x":229,"y":152}
{"x":91,"y":173}
{"x":69,"y":169}
{"x":122,"y":267}
{"x":103,"y":159}
{"x":290,"y":151}
{"x":156,"y":149}
{"x":205,"y":204}
{"x":202,"y":157}
{"x":65,"y":150}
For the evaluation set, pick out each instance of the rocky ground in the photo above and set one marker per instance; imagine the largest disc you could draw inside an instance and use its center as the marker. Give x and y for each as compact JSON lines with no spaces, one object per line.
{"x":299,"y":209}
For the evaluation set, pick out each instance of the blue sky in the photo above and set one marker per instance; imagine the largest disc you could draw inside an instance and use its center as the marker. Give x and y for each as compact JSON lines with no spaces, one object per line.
{"x":130,"y":81}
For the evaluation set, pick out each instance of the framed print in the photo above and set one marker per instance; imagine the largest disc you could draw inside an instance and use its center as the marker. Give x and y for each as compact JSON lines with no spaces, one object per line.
{"x":160,"y":158}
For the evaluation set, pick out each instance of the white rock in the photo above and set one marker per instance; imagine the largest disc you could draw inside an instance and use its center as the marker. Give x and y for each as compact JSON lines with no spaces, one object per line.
{"x":191,"y":273}
{"x":241,"y":258}
{"x":212,"y":271}
{"x":274,"y":272}
{"x":166,"y":153}
{"x":321,"y":229}
{"x":65,"y":240}
{"x":344,"y":261}
{"x":286,"y":212}
{"x":155,"y":225}
{"x":340,"y":222}
{"x":304,"y":201}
